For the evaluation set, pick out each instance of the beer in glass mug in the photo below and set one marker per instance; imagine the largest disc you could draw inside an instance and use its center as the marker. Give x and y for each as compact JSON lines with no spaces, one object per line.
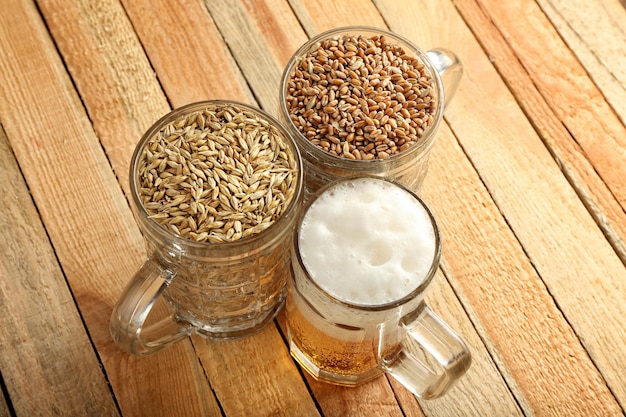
{"x":365,"y":250}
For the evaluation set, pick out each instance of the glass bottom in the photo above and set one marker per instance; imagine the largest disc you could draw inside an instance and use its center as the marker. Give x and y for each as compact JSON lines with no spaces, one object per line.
{"x":235,"y":330}
{"x":348,"y":380}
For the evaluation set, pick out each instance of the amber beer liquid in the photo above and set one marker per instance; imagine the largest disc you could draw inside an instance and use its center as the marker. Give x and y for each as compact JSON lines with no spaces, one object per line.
{"x":364,"y":251}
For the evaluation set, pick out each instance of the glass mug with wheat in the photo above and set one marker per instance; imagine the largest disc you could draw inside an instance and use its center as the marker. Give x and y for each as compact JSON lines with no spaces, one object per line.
{"x":363,"y":100}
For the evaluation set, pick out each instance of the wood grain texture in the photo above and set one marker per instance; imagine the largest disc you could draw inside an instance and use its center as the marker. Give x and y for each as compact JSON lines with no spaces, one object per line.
{"x":482,"y":391}
{"x":85,"y":214}
{"x":4,"y":407}
{"x":43,"y":342}
{"x":568,"y":154}
{"x":566,"y":87}
{"x":601,"y":52}
{"x":111,"y":71}
{"x":255,"y":376}
{"x":536,"y":350}
{"x":530,"y":185}
{"x":374,"y":398}
{"x":319,"y":16}
{"x":616,"y":9}
{"x":171,"y":33}
{"x":560,"y":224}
{"x":262,"y":36}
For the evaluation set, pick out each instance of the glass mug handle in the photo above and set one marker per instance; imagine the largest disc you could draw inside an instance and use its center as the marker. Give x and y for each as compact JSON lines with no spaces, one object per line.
{"x":129,"y":314}
{"x":450,"y":69}
{"x":450,"y":353}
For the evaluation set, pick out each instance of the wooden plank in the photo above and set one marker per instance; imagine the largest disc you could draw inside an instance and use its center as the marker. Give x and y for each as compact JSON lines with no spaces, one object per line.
{"x":85,"y":214}
{"x":598,"y":198}
{"x":566,"y":87}
{"x":260,"y":44}
{"x":375,"y":398}
{"x":601,"y":52}
{"x":319,"y":16}
{"x":538,"y":354}
{"x":617,"y":9}
{"x":482,"y":390}
{"x":5,"y":401}
{"x":43,"y":341}
{"x":4,"y":407}
{"x":531,"y":334}
{"x":599,"y":263}
{"x":171,"y":33}
{"x":255,"y":376}
{"x":111,"y":71}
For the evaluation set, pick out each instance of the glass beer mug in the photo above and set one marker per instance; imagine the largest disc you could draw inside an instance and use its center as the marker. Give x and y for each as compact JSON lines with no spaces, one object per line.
{"x":364,"y":253}
{"x":217,"y":162}
{"x":365,"y":101}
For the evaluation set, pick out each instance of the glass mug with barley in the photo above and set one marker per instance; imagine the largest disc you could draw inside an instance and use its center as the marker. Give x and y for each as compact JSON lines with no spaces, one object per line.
{"x":215,"y":189}
{"x":362,"y":100}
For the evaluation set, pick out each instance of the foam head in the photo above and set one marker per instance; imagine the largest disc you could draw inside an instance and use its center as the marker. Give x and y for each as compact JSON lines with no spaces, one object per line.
{"x":367,"y":241}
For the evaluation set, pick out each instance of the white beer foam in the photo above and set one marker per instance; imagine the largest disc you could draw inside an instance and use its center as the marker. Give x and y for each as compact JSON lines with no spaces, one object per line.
{"x":367,"y":242}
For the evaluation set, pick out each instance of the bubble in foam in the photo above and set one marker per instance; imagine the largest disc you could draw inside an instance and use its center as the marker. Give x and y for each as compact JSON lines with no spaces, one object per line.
{"x":377,"y":252}
{"x":379,"y":243}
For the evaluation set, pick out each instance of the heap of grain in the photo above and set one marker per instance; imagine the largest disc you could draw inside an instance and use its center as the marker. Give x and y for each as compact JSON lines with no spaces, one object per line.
{"x":217,"y":175}
{"x":361,"y":97}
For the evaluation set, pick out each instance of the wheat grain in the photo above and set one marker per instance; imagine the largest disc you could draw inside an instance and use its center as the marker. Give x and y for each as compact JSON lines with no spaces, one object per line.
{"x":358,"y":90}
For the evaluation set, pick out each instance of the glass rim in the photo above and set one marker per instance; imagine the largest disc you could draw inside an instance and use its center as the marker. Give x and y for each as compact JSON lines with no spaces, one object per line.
{"x":427,"y":140}
{"x":156,"y":229}
{"x":434,"y":266}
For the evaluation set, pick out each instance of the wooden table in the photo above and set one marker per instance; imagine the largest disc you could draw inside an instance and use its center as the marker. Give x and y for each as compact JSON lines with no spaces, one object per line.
{"x":528,"y":180}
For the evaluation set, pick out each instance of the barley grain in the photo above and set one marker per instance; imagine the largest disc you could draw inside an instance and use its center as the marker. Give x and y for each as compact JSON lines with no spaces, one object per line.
{"x":217,"y":175}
